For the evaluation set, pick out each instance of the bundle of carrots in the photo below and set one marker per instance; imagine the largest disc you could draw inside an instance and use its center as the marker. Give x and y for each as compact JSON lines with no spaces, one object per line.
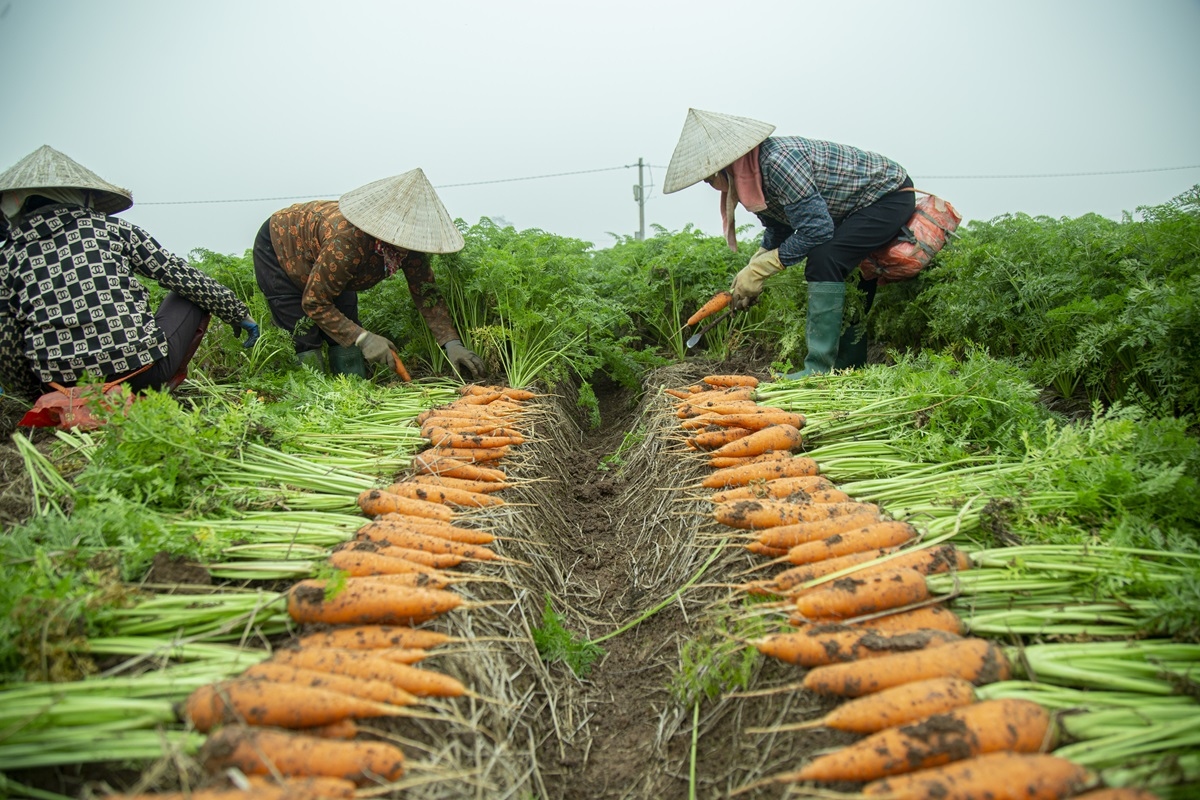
{"x":866,"y":626}
{"x":294,"y":715}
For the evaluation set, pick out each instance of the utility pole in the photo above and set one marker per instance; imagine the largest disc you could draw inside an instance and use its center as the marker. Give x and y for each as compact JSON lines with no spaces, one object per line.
{"x":639,"y":195}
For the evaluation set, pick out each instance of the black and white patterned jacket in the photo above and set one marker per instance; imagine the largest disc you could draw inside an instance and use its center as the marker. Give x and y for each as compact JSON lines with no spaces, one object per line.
{"x":70,"y":304}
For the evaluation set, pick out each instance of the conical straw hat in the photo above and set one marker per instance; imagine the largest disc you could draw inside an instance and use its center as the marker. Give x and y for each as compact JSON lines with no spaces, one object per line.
{"x":403,"y":210}
{"x":46,"y":168}
{"x":709,"y":143}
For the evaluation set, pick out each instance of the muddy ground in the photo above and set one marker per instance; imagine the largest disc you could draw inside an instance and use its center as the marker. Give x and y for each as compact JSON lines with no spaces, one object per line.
{"x":605,"y":538}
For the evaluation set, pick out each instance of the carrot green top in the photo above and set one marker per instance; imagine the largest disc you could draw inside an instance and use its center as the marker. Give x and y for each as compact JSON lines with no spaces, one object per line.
{"x":325,"y":255}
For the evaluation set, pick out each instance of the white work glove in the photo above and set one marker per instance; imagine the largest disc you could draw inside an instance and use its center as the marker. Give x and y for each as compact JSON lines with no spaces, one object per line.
{"x":376,"y":349}
{"x":748,"y":284}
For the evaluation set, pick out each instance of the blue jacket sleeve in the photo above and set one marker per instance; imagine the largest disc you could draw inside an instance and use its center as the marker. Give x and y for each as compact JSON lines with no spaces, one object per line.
{"x":811,"y":225}
{"x":774,"y":232}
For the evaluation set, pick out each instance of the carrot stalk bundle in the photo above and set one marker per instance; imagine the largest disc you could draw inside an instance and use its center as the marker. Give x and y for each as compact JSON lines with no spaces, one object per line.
{"x":365,"y":664}
{"x":366,"y":601}
{"x":378,"y":691}
{"x":758,"y":514}
{"x":976,"y":660}
{"x":817,"y":645}
{"x":371,"y":637}
{"x":285,"y":705}
{"x":266,"y":752}
{"x":775,"y":489}
{"x":443,"y":495}
{"x":776,"y":437}
{"x":991,"y":726}
{"x":374,"y":502}
{"x":742,"y":475}
{"x":853,"y":596}
{"x":997,"y":776}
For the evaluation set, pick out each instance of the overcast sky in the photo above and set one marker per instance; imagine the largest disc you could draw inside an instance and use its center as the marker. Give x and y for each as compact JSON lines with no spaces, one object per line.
{"x":235,"y":99}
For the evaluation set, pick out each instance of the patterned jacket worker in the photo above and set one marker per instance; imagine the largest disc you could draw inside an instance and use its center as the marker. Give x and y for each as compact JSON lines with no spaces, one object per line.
{"x":829,"y":203}
{"x":70,"y":304}
{"x":312,"y":259}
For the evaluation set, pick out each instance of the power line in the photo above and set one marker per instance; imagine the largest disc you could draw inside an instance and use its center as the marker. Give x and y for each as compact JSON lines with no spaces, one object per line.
{"x":660,"y":166}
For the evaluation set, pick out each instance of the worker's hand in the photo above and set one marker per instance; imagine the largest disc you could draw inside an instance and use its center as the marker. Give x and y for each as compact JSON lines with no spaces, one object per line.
{"x":377,"y":349}
{"x":748,"y":284}
{"x":464,"y":360}
{"x":250,"y":328}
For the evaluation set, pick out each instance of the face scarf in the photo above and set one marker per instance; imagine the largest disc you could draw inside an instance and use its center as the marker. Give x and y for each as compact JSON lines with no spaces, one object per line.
{"x":393,"y":257}
{"x":740,"y":182}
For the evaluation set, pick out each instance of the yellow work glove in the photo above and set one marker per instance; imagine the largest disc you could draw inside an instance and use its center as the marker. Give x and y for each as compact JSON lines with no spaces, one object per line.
{"x":376,"y":349}
{"x":748,"y":284}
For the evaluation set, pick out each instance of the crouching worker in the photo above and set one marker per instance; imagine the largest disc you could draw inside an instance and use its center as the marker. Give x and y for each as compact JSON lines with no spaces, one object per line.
{"x":312,"y":259}
{"x":70,"y":305}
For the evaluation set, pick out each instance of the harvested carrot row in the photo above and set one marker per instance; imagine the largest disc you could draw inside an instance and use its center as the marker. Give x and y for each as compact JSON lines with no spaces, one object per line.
{"x":443,"y":495}
{"x":431,"y":527}
{"x":997,"y":776}
{"x":976,"y":660}
{"x":817,"y":645}
{"x":726,"y":381}
{"x":870,"y":537}
{"x":775,"y":489}
{"x":742,"y":475}
{"x":371,"y":637}
{"x":776,"y":437}
{"x":908,"y":702}
{"x":467,"y":455}
{"x":717,"y":302}
{"x":367,"y":602}
{"x":853,"y":596}
{"x":712,"y":440}
{"x":266,"y":752}
{"x":374,"y":502}
{"x":378,"y":691}
{"x":285,"y":705}
{"x":483,"y":487}
{"x":791,"y":578}
{"x":991,"y":726}
{"x":758,"y":514}
{"x":454,"y":468}
{"x":366,"y":665}
{"x":937,"y":617}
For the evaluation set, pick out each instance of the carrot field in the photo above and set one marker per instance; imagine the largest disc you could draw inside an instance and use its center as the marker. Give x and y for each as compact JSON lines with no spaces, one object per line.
{"x":621,"y":568}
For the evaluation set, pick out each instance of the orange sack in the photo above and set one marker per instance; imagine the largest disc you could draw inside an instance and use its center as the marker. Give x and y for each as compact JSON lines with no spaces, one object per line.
{"x":919,"y":241}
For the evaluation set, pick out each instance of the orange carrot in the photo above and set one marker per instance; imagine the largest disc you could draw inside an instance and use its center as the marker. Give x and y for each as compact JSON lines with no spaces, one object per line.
{"x":478,"y":413}
{"x":367,"y":602}
{"x":415,"y":580}
{"x":370,"y":637}
{"x":679,"y":394}
{"x":759,"y":421}
{"x":854,"y":596}
{"x":716,"y":303}
{"x":461,"y":426}
{"x":483,"y":487}
{"x":713,"y":439}
{"x":433,"y":561}
{"x":267,"y":752}
{"x":482,"y":399}
{"x":758,"y":514}
{"x":431,"y":527}
{"x":724,"y":462}
{"x":791,"y":578}
{"x":908,"y":702}
{"x":399,"y":536}
{"x":1122,"y":793}
{"x":401,"y":655}
{"x":726,"y":381}
{"x":467,"y":455}
{"x":346,"y":729}
{"x":378,"y":691}
{"x":996,"y":776}
{"x":286,"y":705}
{"x":990,"y":726}
{"x":817,"y":645}
{"x":358,"y":562}
{"x":976,"y":660}
{"x":364,"y":664}
{"x":928,"y":617}
{"x":871,"y":537}
{"x":507,"y":392}
{"x":443,"y":495}
{"x":376,"y":501}
{"x":686,"y":410}
{"x":775,"y":489}
{"x":446,"y":438}
{"x":769,"y":470}
{"x":451,"y":467}
{"x":776,"y":437}
{"x":713,"y":397}
{"x":260,"y":788}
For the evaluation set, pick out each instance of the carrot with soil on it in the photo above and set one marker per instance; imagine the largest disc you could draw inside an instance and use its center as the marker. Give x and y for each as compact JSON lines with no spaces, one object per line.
{"x":854,"y":596}
{"x":288,"y":789}
{"x":365,"y":601}
{"x":358,"y":563}
{"x":365,"y":664}
{"x":373,"y":637}
{"x":378,"y":691}
{"x":976,"y":660}
{"x":711,"y":440}
{"x":431,"y":527}
{"x":870,"y":537}
{"x":686,"y":410}
{"x":711,"y":397}
{"x":725,"y":462}
{"x":933,"y":616}
{"x":990,"y":726}
{"x":415,"y":540}
{"x":480,"y":487}
{"x":908,"y":702}
{"x":759,"y":420}
{"x":996,"y":776}
{"x":467,"y":455}
{"x":346,"y":729}
{"x":789,"y":579}
{"x":759,"y":514}
{"x":454,"y":468}
{"x":285,"y":705}
{"x":440,"y":437}
{"x":728,"y":381}
{"x":374,"y":502}
{"x":718,"y":302}
{"x":744,"y":474}
{"x":776,"y":437}
{"x":443,"y":495}
{"x":817,"y":645}
{"x":773,"y":489}
{"x":268,"y":752}
{"x":380,"y":545}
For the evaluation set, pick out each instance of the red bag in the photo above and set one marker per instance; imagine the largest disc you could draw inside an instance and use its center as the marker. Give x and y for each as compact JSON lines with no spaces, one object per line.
{"x":67,"y":408}
{"x":925,"y":234}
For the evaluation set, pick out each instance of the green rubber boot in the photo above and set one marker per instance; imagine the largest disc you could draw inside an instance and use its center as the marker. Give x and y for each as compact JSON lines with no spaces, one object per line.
{"x":852,"y":354}
{"x":347,"y":361}
{"x":313,"y":359}
{"x":826,"y":302}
